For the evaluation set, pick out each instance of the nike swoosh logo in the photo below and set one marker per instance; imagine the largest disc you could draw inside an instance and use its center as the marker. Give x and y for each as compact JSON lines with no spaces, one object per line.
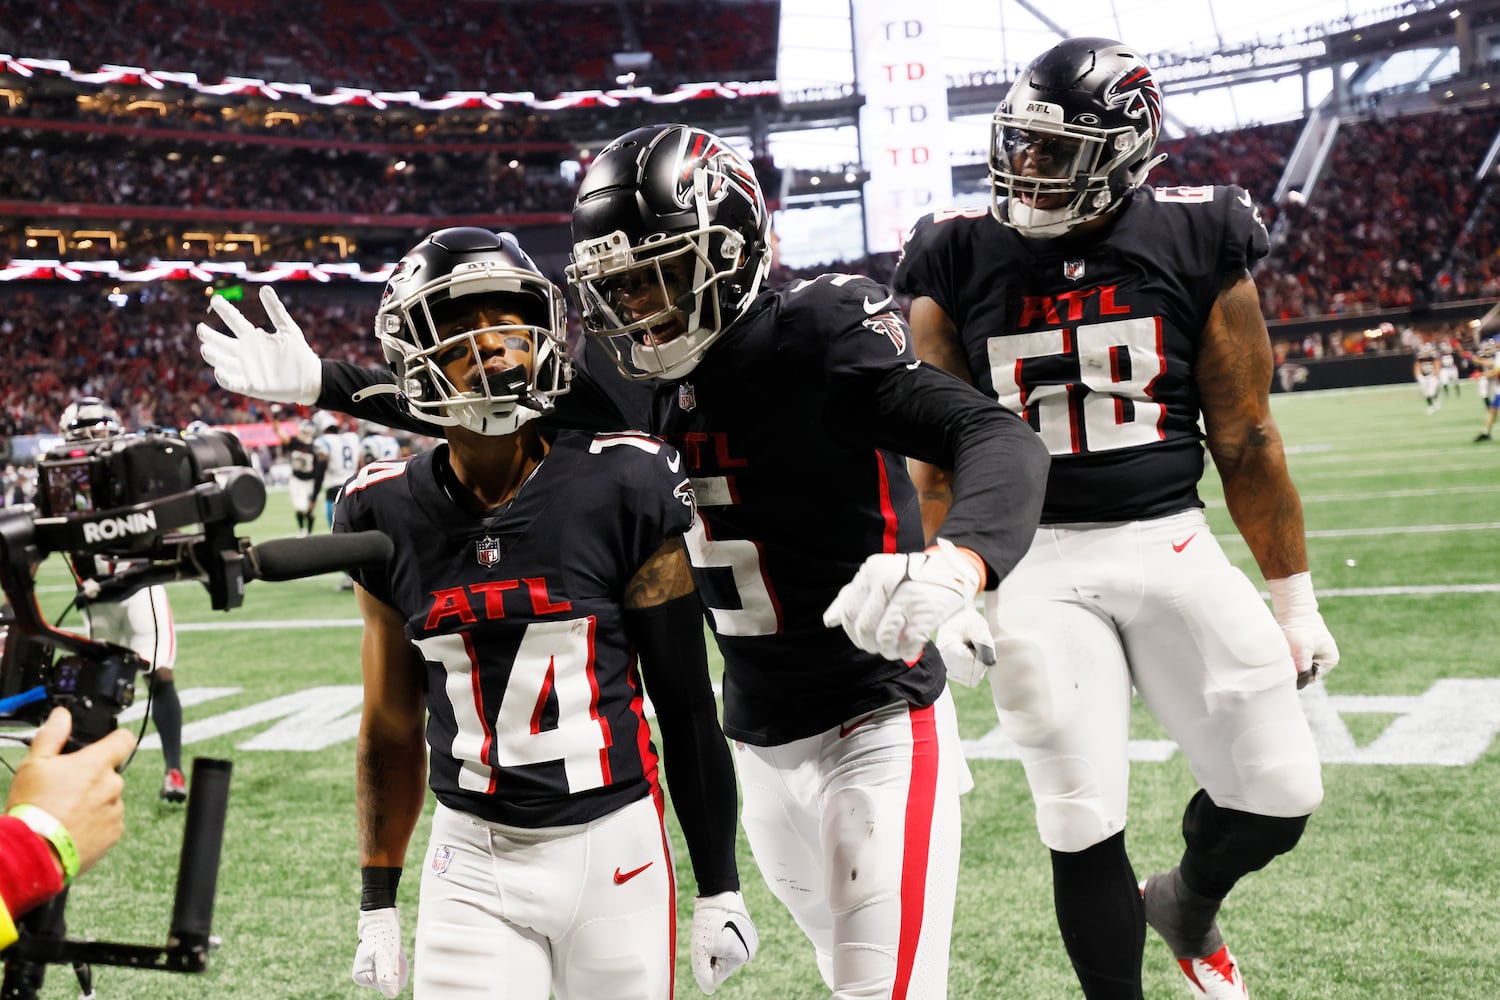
{"x":1179,"y":546}
{"x":674,"y":463}
{"x":871,"y":308}
{"x":914,"y":366}
{"x":622,"y":877}
{"x":1244,"y":197}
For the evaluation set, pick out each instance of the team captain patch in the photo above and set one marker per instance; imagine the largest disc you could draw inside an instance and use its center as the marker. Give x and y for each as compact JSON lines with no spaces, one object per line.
{"x":488,"y":551}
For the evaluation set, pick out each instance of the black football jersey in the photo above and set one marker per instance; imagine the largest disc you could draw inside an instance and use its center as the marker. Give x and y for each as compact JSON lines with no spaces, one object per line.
{"x":1093,"y":340}
{"x":533,"y":697}
{"x":791,"y":503}
{"x":792,"y":428}
{"x":305,"y":460}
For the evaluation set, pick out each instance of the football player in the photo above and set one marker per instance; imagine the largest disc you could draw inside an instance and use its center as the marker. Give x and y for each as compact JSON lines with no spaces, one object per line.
{"x":1425,"y":371}
{"x":529,"y":572}
{"x":1488,"y":369}
{"x":1112,"y":317}
{"x":142,"y":621}
{"x":377,"y":446}
{"x":792,"y":409}
{"x":343,"y":450}
{"x":309,"y":464}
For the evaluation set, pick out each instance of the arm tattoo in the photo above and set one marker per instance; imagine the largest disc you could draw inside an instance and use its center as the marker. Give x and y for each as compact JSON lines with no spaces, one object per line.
{"x":663,"y":577}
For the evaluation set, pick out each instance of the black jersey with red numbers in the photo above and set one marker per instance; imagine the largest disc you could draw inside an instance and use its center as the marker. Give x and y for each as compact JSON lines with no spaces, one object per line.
{"x":1094,"y":339}
{"x":779,"y":429}
{"x":533,"y":697}
{"x":792,"y":428}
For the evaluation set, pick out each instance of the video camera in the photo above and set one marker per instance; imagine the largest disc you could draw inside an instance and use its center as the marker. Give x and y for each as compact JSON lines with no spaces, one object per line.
{"x":138,"y":509}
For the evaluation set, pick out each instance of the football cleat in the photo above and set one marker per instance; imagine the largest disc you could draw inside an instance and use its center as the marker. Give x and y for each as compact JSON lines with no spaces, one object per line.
{"x":173,"y":787}
{"x":1215,"y":977}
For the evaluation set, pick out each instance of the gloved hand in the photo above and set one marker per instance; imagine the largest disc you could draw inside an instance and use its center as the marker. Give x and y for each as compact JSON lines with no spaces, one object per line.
{"x":1296,"y":608}
{"x":380,"y":959}
{"x":896,"y":602}
{"x":724,"y":938}
{"x":967,"y":646}
{"x":275,"y":365}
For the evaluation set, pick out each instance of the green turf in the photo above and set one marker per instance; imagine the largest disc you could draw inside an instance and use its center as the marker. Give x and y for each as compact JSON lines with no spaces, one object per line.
{"x":1391,"y":894}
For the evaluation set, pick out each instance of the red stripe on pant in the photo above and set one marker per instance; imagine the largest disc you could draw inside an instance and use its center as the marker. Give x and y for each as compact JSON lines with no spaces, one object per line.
{"x":920,"y":796}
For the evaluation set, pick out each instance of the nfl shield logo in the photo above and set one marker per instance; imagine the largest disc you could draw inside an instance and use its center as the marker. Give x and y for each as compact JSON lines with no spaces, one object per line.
{"x":488,"y":550}
{"x":440,"y":858}
{"x":687,"y":399}
{"x":1072,"y":269}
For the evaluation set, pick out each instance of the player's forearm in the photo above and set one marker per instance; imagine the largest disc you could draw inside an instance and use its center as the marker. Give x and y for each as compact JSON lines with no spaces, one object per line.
{"x":1264,"y":504}
{"x":390,"y":784}
{"x":698,"y":766}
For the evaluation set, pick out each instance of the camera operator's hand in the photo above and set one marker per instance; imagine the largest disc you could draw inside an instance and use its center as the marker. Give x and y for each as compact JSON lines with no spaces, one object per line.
{"x":380,"y":960}
{"x":80,"y":789}
{"x":275,"y":364}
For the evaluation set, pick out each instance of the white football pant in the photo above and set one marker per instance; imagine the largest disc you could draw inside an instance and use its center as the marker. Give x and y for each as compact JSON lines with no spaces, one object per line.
{"x":856,"y":831}
{"x":1093,"y":609}
{"x":582,"y":912}
{"x":143,"y":622}
{"x":300,"y":492}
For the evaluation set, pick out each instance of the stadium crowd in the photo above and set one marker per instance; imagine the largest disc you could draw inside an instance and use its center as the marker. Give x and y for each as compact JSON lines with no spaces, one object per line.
{"x":533,"y":46}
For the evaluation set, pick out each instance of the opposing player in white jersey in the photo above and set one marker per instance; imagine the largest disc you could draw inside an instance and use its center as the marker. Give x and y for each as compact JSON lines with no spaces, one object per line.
{"x":378,"y":446}
{"x":1448,"y":369}
{"x":1488,"y":360}
{"x":142,"y":621}
{"x":529,"y":574}
{"x":343,"y":449}
{"x":1113,"y":318}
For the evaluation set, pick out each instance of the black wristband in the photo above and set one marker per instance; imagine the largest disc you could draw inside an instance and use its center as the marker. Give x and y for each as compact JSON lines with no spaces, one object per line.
{"x":377,"y":887}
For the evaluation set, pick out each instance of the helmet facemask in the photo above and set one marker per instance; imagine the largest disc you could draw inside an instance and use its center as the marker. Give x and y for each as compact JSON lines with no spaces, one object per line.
{"x":1083,"y":171}
{"x":412,"y":333}
{"x":691,"y":281}
{"x":670,"y":247}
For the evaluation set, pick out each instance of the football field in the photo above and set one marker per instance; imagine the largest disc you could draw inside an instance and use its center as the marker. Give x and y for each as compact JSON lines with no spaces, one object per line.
{"x":1391,"y":894}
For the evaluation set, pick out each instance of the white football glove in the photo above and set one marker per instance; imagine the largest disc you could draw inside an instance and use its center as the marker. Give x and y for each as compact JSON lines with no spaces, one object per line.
{"x":724,"y":938}
{"x":380,"y":959}
{"x":967,"y":646}
{"x":896,"y":602}
{"x":275,"y":365}
{"x":1296,"y":608}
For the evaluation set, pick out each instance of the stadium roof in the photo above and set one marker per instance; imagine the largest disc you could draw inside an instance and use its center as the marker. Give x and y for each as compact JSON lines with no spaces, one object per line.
{"x":980,"y":40}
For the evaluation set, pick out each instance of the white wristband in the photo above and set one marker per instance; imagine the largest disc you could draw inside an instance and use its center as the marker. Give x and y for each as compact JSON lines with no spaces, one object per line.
{"x":1292,"y":596}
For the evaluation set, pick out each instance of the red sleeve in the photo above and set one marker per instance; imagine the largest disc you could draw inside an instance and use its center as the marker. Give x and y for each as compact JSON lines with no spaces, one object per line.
{"x":28,"y":872}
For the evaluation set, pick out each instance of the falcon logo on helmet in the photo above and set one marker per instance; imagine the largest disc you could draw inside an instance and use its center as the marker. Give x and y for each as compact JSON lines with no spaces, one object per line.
{"x":1074,"y":136}
{"x":671,"y":242}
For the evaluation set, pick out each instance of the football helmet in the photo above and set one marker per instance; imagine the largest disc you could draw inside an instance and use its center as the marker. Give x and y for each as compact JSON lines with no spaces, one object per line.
{"x":671,"y":243}
{"x":89,"y":418}
{"x":1073,"y":137}
{"x":424,"y":292}
{"x":307,"y":431}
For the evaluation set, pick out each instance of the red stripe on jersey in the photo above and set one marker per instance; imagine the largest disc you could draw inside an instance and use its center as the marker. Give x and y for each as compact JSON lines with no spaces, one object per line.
{"x":887,"y":509}
{"x":604,"y":731}
{"x":1161,"y":413}
{"x":487,"y":747}
{"x":921,"y":795}
{"x":541,"y":698}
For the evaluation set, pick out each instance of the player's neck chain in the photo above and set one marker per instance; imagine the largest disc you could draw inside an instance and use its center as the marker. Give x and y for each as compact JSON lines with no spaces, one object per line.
{"x":463,"y":499}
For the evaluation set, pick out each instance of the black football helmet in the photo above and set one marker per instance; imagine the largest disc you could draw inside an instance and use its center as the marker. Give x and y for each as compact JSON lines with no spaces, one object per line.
{"x":424,"y":290}
{"x":89,"y":418}
{"x":1085,"y":117}
{"x":671,"y":216}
